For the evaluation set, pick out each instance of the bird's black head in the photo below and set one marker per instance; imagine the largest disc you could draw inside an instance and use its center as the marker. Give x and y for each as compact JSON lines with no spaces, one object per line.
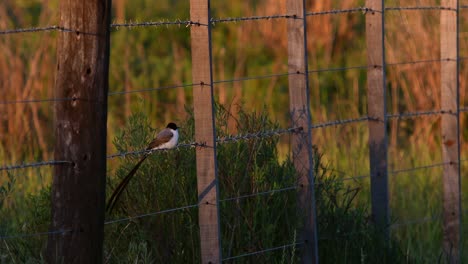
{"x":172,"y":126}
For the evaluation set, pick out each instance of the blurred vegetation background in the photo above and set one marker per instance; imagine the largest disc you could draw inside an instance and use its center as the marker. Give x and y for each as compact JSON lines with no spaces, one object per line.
{"x":152,"y":57}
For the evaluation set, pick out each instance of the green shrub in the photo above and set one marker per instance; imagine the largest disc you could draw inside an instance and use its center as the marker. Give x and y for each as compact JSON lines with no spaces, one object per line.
{"x":167,"y":179}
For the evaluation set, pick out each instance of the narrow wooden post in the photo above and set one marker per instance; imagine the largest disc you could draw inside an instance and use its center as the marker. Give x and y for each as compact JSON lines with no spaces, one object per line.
{"x":376,"y":107}
{"x":78,"y":190}
{"x":450,"y":130}
{"x":210,"y":240}
{"x":301,"y":142}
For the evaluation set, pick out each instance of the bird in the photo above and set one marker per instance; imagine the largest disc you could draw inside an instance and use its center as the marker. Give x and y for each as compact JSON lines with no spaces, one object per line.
{"x":166,"y":139}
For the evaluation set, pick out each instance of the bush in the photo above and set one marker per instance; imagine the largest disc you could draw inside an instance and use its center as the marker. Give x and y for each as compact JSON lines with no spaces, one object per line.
{"x":167,"y":179}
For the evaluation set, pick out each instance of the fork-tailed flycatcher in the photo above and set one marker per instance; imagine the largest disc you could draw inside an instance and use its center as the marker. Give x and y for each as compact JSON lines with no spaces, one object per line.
{"x":166,"y":139}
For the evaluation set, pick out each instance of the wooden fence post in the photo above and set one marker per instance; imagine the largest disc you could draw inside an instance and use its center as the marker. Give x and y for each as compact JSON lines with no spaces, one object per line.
{"x":450,"y":130}
{"x":78,"y":190}
{"x":301,"y":143}
{"x":210,"y":240}
{"x":376,"y":107}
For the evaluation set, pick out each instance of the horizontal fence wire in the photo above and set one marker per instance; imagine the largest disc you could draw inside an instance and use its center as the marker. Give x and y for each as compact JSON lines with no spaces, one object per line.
{"x":33,"y":29}
{"x":339,"y":122}
{"x":363,"y":10}
{"x":127,"y":219}
{"x":274,"y":191}
{"x":187,"y":23}
{"x":394,"y":172}
{"x":234,"y":138}
{"x":151,"y":151}
{"x":258,"y":77}
{"x":120,"y":220}
{"x":17,"y":236}
{"x":134,"y":24}
{"x":252,"y":18}
{"x":292,"y":245}
{"x":256,"y":135}
{"x":419,"y":114}
{"x":426,"y":219}
{"x":109,"y":94}
{"x":429,"y":166}
{"x":248,"y":78}
{"x":35,"y":164}
{"x":153,"y":89}
{"x":412,"y":8}
{"x":418,"y":61}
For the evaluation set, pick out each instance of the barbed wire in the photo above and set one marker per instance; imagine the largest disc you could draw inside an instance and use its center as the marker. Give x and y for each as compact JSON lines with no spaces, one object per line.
{"x":364,"y":10}
{"x":33,"y":29}
{"x":412,"y":8}
{"x":258,"y":77}
{"x":248,"y":78}
{"x":16,"y":236}
{"x":153,"y":89}
{"x":151,"y":151}
{"x":219,"y":140}
{"x":394,"y":172}
{"x":188,"y":23}
{"x":132,"y":24}
{"x":295,"y":244}
{"x":274,"y":191}
{"x":251,"y":18}
{"x":416,"y":221}
{"x":339,"y":122}
{"x":260,"y":134}
{"x":35,"y":164}
{"x":429,"y":166}
{"x":126,"y":219}
{"x":26,"y":101}
{"x":419,"y":114}
{"x":419,"y":61}
{"x":233,"y":138}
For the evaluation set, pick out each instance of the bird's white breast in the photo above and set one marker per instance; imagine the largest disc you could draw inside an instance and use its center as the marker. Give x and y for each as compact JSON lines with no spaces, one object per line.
{"x":172,"y":142}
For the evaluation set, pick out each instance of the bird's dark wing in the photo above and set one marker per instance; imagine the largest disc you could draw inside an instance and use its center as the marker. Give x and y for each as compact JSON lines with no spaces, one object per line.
{"x":164,"y":136}
{"x":121,"y":187}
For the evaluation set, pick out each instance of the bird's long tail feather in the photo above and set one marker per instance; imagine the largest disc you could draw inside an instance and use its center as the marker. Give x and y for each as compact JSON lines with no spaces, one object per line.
{"x":121,"y":187}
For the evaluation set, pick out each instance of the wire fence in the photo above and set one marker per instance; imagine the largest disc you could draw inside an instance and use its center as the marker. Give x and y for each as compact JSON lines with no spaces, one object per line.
{"x":248,"y":136}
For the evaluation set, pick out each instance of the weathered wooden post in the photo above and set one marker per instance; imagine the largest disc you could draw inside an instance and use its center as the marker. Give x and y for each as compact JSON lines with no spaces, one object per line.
{"x":300,"y":116}
{"x":376,"y":107}
{"x":78,"y":190}
{"x":450,"y":129}
{"x":210,"y":240}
